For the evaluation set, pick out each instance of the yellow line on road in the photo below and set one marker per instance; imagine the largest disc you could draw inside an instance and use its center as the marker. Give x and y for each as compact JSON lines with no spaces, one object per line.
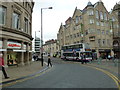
{"x":117,"y":81}
{"x":28,"y":78}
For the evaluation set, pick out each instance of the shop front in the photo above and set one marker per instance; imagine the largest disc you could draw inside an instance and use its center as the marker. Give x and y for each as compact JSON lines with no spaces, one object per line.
{"x":104,"y":53}
{"x":116,"y":49}
{"x":14,"y":53}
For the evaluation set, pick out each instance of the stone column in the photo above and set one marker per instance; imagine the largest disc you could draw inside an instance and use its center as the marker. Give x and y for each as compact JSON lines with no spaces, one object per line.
{"x":22,"y":55}
{"x":97,"y":51}
{"x":31,"y":52}
{"x":5,"y":52}
{"x":27,"y":48}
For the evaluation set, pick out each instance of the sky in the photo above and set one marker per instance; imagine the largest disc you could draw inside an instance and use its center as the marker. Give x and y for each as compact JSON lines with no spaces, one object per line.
{"x":62,"y":10}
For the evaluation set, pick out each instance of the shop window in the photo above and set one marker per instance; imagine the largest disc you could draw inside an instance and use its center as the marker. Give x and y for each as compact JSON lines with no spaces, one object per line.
{"x":11,"y":59}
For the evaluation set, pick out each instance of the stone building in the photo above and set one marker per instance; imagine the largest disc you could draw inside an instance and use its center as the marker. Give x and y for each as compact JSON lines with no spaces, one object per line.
{"x":90,"y":25}
{"x":115,"y":26}
{"x":51,"y":47}
{"x":16,"y":32}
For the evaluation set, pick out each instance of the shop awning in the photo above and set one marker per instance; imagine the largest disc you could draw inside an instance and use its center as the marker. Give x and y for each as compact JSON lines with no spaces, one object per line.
{"x":3,"y":50}
{"x":19,"y":50}
{"x":31,"y":51}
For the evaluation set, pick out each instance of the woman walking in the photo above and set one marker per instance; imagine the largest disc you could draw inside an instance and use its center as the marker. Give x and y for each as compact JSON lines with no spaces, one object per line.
{"x":2,"y":66}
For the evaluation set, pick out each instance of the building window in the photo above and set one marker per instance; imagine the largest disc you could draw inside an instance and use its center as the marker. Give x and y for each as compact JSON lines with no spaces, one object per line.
{"x":90,"y":30}
{"x":108,"y":42}
{"x":98,"y":23}
{"x":80,"y":17}
{"x":75,"y":35}
{"x":30,"y":31}
{"x":103,"y":32}
{"x":90,"y":12}
{"x":97,"y":15}
{"x":102,"y":23}
{"x":70,"y":36}
{"x":105,"y":16}
{"x":113,"y":18}
{"x":107,"y":32}
{"x":103,"y":42}
{"x":2,"y":15}
{"x":77,"y":19}
{"x":16,"y":21}
{"x":78,"y":35}
{"x":26,"y":25}
{"x":101,"y":15}
{"x":91,"y":21}
{"x":99,"y":42}
{"x":98,"y":31}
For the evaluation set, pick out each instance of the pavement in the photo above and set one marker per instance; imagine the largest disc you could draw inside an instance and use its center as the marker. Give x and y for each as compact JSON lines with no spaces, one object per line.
{"x":109,"y":65}
{"x":15,"y":72}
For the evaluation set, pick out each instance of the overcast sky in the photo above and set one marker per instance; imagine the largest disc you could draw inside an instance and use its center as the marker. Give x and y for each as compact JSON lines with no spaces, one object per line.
{"x":62,"y":9}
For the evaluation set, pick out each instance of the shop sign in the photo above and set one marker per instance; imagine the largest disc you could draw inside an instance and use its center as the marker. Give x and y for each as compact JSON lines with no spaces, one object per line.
{"x":24,"y":47}
{"x":29,"y":47}
{"x":101,"y":50}
{"x":11,"y":44}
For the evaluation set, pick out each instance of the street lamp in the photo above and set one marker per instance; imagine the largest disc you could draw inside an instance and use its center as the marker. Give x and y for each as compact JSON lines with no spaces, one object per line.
{"x":42,"y":34}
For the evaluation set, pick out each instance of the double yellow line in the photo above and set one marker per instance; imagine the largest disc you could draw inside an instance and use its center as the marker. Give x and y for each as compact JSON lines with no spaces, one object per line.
{"x":117,"y":81}
{"x":28,"y":78}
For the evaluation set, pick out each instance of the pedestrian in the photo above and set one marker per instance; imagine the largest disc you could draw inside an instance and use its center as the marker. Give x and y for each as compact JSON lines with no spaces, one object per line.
{"x":34,"y":57}
{"x":109,"y":57}
{"x":82,"y":57}
{"x":2,"y":66}
{"x":49,"y":61}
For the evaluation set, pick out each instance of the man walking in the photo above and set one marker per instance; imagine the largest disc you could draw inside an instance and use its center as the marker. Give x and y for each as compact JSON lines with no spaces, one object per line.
{"x":2,"y":66}
{"x":82,"y":58}
{"x":49,"y":61}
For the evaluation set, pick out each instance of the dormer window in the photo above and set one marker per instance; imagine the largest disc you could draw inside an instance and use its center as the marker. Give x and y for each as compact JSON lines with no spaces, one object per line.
{"x":90,"y":12}
{"x":77,"y":19}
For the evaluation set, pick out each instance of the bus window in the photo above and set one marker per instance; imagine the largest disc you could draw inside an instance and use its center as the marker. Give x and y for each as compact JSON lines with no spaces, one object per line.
{"x":77,"y":54}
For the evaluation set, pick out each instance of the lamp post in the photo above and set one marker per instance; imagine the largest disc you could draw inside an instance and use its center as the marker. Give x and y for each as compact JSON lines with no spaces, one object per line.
{"x":42,"y":34}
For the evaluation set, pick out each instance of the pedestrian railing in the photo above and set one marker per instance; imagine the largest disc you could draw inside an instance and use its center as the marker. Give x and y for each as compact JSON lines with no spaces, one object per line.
{"x":112,"y":62}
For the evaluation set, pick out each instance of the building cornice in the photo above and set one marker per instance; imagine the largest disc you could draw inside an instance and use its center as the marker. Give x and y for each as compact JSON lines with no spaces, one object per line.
{"x":16,"y":32}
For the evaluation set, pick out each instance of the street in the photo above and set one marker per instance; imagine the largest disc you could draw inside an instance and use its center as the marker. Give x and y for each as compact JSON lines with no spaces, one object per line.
{"x":68,"y":74}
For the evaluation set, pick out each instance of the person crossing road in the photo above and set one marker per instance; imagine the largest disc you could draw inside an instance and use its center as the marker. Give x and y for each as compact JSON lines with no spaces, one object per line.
{"x":49,"y":61}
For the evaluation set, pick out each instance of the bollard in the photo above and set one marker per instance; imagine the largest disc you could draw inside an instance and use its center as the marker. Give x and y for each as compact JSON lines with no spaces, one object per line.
{"x":115,"y":62}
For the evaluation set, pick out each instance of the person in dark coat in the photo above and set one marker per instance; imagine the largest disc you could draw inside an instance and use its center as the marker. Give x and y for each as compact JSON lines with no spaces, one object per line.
{"x":82,"y":57}
{"x":2,"y":66}
{"x":49,"y":61}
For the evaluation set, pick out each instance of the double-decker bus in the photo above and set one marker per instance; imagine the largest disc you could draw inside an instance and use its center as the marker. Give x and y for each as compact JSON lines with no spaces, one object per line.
{"x":74,"y":51}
